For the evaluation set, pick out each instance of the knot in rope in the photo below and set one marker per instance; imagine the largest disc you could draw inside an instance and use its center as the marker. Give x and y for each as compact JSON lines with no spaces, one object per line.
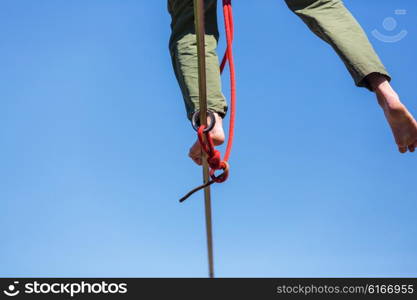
{"x":215,"y":160}
{"x":213,"y":156}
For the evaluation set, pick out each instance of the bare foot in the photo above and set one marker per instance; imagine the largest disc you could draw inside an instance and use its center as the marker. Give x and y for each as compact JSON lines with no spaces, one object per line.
{"x":217,"y":134}
{"x":403,"y":124}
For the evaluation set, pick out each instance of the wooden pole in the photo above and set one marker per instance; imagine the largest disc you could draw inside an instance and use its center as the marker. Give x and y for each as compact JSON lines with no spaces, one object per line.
{"x":201,"y":53}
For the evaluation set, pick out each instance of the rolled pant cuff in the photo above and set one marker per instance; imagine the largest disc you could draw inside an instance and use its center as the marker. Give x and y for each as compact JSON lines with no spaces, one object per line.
{"x":361,"y":71}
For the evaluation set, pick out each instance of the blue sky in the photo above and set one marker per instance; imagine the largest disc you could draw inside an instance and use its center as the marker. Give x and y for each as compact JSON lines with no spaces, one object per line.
{"x":94,"y":141}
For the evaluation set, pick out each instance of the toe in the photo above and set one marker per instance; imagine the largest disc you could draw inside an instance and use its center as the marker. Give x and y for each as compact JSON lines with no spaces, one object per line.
{"x":402,"y":149}
{"x":411,"y":148}
{"x":197,"y":160}
{"x":195,"y":157}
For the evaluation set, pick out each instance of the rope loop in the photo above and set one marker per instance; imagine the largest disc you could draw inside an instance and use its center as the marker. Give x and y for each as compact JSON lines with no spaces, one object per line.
{"x":223,"y":176}
{"x":214,"y":159}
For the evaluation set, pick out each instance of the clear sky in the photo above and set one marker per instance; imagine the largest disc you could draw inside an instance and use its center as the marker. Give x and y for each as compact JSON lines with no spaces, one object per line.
{"x":94,"y":141}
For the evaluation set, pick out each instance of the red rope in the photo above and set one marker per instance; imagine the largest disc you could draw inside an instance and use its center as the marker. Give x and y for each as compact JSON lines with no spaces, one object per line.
{"x":213,"y":156}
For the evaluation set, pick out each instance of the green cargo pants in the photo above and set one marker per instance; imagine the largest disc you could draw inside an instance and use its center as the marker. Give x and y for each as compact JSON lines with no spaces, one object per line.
{"x":328,"y":19}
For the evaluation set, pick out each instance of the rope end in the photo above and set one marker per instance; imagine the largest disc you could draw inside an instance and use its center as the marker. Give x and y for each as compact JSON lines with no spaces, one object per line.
{"x":203,"y":186}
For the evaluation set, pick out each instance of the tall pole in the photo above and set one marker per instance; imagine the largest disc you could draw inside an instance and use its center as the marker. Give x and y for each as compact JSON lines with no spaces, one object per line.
{"x":201,"y":53}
